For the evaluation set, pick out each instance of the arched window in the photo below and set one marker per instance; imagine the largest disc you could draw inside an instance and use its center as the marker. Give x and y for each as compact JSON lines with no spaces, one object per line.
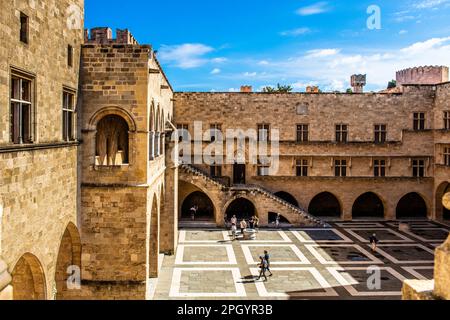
{"x":112,"y":141}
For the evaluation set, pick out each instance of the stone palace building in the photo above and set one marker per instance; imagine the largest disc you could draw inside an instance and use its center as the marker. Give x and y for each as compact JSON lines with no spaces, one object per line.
{"x":95,"y":178}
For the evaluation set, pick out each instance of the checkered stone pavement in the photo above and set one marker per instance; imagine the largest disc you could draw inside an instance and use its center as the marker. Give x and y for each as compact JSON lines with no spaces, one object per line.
{"x":333,"y":263}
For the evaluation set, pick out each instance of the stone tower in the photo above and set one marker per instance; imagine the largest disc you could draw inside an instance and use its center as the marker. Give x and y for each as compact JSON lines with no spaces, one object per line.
{"x":126,"y":103}
{"x":358,"y":81}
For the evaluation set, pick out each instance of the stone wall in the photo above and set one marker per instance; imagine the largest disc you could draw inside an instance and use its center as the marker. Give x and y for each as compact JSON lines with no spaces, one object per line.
{"x":38,"y":182}
{"x":423,"y":75}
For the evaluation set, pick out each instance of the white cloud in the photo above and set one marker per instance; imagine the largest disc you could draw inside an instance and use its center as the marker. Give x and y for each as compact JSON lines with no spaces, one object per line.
{"x":216,"y":71}
{"x":331,"y":68}
{"x":316,"y":8}
{"x":429,"y":4}
{"x":295,"y":32}
{"x":263,"y":63}
{"x":219,"y":60}
{"x":322,"y":53}
{"x":403,"y":32}
{"x":185,"y":56}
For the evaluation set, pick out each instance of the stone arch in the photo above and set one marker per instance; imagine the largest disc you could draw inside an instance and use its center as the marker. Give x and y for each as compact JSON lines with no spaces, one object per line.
{"x":152,"y":118}
{"x":112,"y":141}
{"x":412,"y":205}
{"x":100,"y":114}
{"x":153,"y":246}
{"x":206,"y":210}
{"x":286,"y":196}
{"x":28,"y":279}
{"x":69,"y":255}
{"x":368,"y":205}
{"x":325,"y":204}
{"x":158,"y":120}
{"x":441,"y":211}
{"x":242,"y":207}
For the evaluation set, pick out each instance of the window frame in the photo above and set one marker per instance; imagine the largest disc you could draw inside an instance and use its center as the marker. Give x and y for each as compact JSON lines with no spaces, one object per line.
{"x":446,"y":120}
{"x":419,"y":121}
{"x":379,"y":168}
{"x":69,"y":134}
{"x":24,"y":35}
{"x":342,"y":133}
{"x":70,"y":55}
{"x":380,"y":131}
{"x":17,"y":105}
{"x":340,"y":168}
{"x":302,"y":133}
{"x":418,"y":168}
{"x":302,"y":167}
{"x":446,"y":156}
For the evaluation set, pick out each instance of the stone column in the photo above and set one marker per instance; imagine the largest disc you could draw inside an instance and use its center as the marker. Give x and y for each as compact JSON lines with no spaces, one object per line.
{"x":6,"y":292}
{"x":169,"y":216}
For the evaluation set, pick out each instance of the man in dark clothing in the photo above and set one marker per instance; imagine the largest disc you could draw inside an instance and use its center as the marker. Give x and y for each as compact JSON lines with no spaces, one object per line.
{"x":262,"y":267}
{"x":267,"y":258}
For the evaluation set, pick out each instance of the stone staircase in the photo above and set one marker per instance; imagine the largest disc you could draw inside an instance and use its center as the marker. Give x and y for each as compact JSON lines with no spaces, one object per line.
{"x":302,"y":213}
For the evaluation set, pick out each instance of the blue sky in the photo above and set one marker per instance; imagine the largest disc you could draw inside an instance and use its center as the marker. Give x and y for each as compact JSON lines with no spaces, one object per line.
{"x":221,"y":45}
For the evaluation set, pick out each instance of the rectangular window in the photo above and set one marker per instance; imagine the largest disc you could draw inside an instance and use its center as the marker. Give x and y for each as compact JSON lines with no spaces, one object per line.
{"x":216,"y":171}
{"x":447,"y":156}
{"x":302,"y":133}
{"x":263,"y":132}
{"x":302,"y":167}
{"x":419,"y":121}
{"x":22,"y":126}
{"x":340,"y":168}
{"x":183,"y":132}
{"x":24,"y":27}
{"x":380,"y":133}
{"x":70,"y":56}
{"x":215,"y":132}
{"x":263,"y":167}
{"x":418,"y":168}
{"x":69,"y":116}
{"x":447,"y":120}
{"x":341,"y":133}
{"x":379,"y":167}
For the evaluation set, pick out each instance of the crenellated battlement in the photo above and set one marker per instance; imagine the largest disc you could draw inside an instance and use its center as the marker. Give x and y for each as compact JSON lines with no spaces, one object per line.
{"x":423,"y":75}
{"x":104,"y":35}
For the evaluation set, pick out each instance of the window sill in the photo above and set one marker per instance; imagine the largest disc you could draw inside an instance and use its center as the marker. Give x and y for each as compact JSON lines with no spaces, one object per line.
{"x":111,"y":168}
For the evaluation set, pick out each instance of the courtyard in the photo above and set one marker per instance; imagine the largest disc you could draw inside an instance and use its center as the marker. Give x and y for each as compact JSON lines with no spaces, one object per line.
{"x":333,"y":263}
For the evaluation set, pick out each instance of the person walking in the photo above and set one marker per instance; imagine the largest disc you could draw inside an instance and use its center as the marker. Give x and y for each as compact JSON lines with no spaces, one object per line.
{"x":262,"y":268}
{"x":243,"y":226}
{"x":374,"y":242}
{"x":234,"y":220}
{"x":277,"y":221}
{"x":267,"y":258}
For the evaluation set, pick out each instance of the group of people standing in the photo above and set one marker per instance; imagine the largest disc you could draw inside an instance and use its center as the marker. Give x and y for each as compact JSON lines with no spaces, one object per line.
{"x":253,"y":223}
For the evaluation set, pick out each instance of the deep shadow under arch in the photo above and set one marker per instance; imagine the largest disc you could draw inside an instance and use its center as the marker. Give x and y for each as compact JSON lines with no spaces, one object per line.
{"x":205,"y":206}
{"x":325,"y":205}
{"x":440,"y":192}
{"x":368,"y":205}
{"x":413,"y":206}
{"x":287,"y":197}
{"x":242,"y":209}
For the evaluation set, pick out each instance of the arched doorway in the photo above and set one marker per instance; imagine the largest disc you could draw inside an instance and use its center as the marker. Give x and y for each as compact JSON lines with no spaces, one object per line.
{"x":241,"y":208}
{"x":325,"y":205}
{"x":412,"y":206}
{"x":205,"y":206}
{"x":287,"y":197}
{"x":273,"y":218}
{"x":28,"y":279}
{"x":368,"y":205}
{"x":68,"y":262}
